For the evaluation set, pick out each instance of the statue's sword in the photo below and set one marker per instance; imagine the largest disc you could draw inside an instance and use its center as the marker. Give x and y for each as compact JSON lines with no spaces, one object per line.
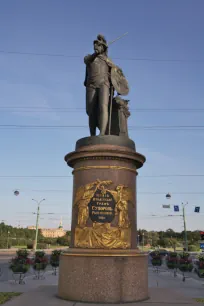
{"x":111,"y":42}
{"x":112,"y":89}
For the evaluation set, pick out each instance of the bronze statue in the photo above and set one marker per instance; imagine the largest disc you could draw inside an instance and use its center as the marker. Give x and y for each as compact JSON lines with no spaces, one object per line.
{"x":102,"y":78}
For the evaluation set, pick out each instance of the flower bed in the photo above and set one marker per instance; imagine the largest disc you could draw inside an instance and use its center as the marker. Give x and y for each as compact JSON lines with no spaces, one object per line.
{"x":156,"y":259}
{"x":185,"y":263}
{"x":54,"y":258}
{"x":172,"y":260}
{"x":40,"y":261}
{"x":21,"y":263}
{"x":200,"y":266}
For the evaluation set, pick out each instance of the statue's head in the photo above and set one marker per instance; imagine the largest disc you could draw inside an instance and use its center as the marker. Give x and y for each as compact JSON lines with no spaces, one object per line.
{"x":100,"y":45}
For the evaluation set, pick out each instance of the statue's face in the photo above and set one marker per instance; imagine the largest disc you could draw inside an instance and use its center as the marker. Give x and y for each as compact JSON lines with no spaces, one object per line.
{"x":98,"y":48}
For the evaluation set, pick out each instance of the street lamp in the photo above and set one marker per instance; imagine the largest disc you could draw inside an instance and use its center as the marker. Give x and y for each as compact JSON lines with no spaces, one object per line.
{"x":143,"y":241}
{"x":168,"y":196}
{"x":184,"y":225}
{"x":8,"y":240}
{"x":37,"y":221}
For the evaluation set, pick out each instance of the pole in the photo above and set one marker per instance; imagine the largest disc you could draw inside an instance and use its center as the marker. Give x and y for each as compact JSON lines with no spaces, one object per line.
{"x":142,"y":241}
{"x":184,"y":225}
{"x":8,"y":240}
{"x":37,"y":223}
{"x":36,"y":229}
{"x":138,"y":240}
{"x":110,"y":111}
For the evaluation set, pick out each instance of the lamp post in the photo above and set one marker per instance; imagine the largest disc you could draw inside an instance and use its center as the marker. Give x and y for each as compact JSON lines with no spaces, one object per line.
{"x":37,"y":221}
{"x":168,"y":196}
{"x":184,"y":225}
{"x":142,"y":241}
{"x":8,"y":240}
{"x":138,"y":240}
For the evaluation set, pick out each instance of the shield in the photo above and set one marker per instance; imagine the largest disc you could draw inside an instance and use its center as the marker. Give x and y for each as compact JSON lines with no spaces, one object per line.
{"x":119,"y":81}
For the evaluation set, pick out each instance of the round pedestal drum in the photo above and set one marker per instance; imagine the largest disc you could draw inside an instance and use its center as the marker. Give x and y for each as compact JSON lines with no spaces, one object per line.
{"x":103,"y":264}
{"x":103,"y":277}
{"x":105,"y":161}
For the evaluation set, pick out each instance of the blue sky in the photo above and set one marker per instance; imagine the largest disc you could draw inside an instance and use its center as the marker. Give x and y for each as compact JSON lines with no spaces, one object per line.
{"x":160,"y":33}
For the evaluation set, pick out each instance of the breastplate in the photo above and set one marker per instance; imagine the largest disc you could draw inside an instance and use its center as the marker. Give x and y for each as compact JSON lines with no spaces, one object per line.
{"x":98,"y":72}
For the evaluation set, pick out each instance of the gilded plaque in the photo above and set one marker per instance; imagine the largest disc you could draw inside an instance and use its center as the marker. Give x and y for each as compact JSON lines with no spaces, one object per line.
{"x":103,"y":206}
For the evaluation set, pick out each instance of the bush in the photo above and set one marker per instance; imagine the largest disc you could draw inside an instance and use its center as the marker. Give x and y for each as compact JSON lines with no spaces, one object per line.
{"x":193,"y":248}
{"x":45,"y":240}
{"x":63,"y":241}
{"x":29,"y":246}
{"x":55,"y":257}
{"x":3,"y":244}
{"x":41,"y":246}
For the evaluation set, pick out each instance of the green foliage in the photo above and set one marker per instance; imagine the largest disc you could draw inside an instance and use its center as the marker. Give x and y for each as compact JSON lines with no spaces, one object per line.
{"x":42,"y":246}
{"x":51,"y":241}
{"x":63,"y":241}
{"x":172,"y":260}
{"x":55,"y":257}
{"x":20,"y":263}
{"x":193,"y":248}
{"x":4,"y":244}
{"x":22,"y":253}
{"x":200,"y":300}
{"x":40,"y":261}
{"x":39,"y":254}
{"x":156,"y":262}
{"x":173,"y":254}
{"x":184,"y":255}
{"x":201,"y":257}
{"x":6,"y":296}
{"x":12,"y":236}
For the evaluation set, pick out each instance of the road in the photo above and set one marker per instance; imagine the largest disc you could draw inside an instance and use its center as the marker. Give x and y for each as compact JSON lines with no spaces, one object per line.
{"x":5,"y":273}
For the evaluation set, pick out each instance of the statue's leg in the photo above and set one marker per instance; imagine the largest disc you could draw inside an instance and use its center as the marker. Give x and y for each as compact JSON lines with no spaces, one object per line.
{"x":104,"y":92}
{"x":91,"y":100}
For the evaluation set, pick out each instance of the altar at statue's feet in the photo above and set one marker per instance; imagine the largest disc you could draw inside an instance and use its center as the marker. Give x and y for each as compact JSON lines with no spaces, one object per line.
{"x":103,"y":264}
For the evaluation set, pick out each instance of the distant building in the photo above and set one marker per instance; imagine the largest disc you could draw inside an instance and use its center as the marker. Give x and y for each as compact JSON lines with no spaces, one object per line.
{"x":51,"y":232}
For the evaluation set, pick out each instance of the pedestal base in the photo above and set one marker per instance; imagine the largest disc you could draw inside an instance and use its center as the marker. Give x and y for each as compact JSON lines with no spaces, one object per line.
{"x":101,"y":276}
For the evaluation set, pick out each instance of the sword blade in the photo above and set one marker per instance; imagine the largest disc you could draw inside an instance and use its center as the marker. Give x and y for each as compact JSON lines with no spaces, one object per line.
{"x":111,"y":42}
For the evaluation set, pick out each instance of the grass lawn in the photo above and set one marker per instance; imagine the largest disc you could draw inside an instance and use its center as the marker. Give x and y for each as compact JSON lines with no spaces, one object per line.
{"x":19,"y":247}
{"x":200,"y":300}
{"x":6,"y":296}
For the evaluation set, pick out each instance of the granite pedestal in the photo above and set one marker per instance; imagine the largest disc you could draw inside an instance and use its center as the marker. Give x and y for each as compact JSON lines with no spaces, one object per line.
{"x":103,"y":264}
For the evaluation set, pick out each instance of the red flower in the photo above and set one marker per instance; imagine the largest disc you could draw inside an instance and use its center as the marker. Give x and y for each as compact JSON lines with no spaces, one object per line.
{"x":29,"y":261}
{"x":201,"y":265}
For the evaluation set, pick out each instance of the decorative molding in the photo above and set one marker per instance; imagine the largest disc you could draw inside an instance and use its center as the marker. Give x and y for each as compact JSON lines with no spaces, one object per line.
{"x":119,"y":254}
{"x":105,"y":168}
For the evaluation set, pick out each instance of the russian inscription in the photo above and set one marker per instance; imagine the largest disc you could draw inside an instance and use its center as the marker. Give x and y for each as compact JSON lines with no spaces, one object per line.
{"x":102,"y":207}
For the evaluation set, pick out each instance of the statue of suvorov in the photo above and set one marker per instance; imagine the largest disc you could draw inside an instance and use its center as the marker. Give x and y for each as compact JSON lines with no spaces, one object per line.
{"x":102,"y":78}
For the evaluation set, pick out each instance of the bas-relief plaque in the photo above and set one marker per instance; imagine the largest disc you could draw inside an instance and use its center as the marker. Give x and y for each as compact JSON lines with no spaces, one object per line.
{"x":104,"y":207}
